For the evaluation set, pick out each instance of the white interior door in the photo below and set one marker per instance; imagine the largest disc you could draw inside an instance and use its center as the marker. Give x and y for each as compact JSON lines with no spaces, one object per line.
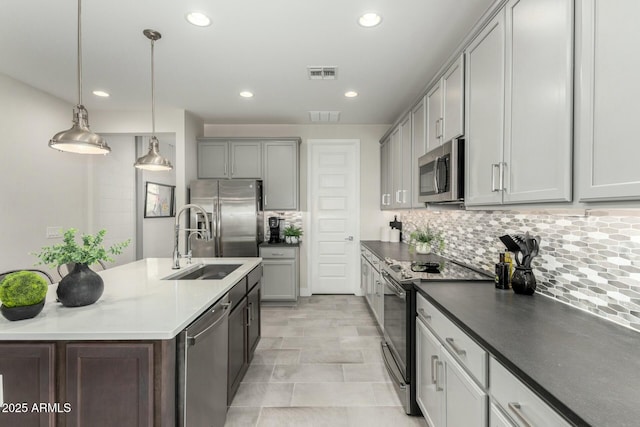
{"x":334,"y":216}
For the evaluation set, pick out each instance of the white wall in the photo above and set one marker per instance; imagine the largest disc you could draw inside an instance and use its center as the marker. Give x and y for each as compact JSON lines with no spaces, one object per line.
{"x":158,"y":233}
{"x":39,"y":187}
{"x":112,"y":195}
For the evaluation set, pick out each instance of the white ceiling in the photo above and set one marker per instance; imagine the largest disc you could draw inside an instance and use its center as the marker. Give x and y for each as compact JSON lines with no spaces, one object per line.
{"x":258,"y":45}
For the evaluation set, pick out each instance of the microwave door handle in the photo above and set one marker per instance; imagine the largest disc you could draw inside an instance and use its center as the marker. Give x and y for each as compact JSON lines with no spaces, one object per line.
{"x":435,"y":176}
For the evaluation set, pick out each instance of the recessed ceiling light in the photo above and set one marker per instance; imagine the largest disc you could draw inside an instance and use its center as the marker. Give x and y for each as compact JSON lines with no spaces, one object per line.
{"x":101,"y":93}
{"x":246,"y":94}
{"x":370,"y":19}
{"x":351,"y":94}
{"x":198,"y":19}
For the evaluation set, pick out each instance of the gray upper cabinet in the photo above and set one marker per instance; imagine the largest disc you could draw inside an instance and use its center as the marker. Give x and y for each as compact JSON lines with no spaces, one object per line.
{"x":213,"y":159}
{"x":519,"y":101}
{"x":607,"y":63}
{"x":229,"y":159}
{"x":280,"y":166}
{"x":485,"y":113}
{"x":539,"y":101}
{"x":400,"y":155}
{"x":418,"y":146}
{"x":453,"y":101}
{"x":406,"y":175}
{"x":434,"y":117}
{"x":246,"y":159}
{"x":385,"y":174}
{"x":445,"y":106}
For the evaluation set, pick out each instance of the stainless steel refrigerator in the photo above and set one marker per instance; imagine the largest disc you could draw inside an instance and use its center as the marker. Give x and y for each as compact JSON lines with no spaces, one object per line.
{"x":234,"y":213}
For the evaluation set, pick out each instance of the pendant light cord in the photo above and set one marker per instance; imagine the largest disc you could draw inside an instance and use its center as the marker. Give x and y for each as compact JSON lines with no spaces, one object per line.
{"x":153,"y":101}
{"x":79,"y":52}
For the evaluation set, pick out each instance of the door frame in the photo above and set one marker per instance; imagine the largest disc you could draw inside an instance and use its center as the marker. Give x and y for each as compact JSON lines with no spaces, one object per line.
{"x":355,"y":287}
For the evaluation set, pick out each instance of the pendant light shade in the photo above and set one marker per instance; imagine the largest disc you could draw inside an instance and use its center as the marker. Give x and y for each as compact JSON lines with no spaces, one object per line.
{"x":153,"y":161}
{"x":79,"y":138}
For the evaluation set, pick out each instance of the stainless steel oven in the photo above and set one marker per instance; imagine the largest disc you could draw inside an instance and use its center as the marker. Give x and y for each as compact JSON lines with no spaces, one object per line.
{"x":441,"y":174}
{"x":398,"y":347}
{"x":398,"y":331}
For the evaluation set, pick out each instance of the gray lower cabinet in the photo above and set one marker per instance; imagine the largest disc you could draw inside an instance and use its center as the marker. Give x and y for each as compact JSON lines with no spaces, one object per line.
{"x":607,"y":64}
{"x":280,"y":281}
{"x":281,"y":176}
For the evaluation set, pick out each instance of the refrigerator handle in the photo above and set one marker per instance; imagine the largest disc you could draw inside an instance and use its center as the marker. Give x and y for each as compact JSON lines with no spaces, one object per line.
{"x":218,"y":231}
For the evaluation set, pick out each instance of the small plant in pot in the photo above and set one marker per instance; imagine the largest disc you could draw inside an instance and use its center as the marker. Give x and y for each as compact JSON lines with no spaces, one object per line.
{"x":22,"y":294}
{"x":292,"y":234}
{"x":82,"y":286}
{"x":424,"y":239}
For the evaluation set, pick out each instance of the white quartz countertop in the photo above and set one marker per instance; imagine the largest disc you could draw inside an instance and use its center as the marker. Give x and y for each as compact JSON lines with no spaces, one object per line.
{"x":136,"y":304}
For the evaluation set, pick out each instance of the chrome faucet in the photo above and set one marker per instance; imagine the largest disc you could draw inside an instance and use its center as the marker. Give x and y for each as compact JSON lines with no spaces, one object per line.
{"x":205,"y":234}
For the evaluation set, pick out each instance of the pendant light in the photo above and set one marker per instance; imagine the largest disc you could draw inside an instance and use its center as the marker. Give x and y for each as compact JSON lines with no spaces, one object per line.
{"x":153,"y":161}
{"x":79,"y":138}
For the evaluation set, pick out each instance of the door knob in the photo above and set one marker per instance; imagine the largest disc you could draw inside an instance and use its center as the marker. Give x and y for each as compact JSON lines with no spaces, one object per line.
{"x":350,"y":238}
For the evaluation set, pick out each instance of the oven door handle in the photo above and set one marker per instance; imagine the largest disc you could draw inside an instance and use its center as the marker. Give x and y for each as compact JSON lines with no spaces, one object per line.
{"x":393,"y":372}
{"x":397,"y":290}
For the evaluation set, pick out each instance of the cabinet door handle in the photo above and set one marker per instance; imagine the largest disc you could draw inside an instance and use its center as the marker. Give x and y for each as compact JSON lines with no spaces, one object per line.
{"x":434,"y":367}
{"x":493,"y":177}
{"x":454,"y":346}
{"x":225,"y":168}
{"x":398,"y":196}
{"x":423,"y":315}
{"x":266,"y":200}
{"x":388,"y":199}
{"x":502,"y":166}
{"x":517,"y":409}
{"x":438,"y":366}
{"x":404,"y":196}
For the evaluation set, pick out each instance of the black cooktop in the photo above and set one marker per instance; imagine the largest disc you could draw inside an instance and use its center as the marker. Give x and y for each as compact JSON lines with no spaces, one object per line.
{"x":435,"y":268}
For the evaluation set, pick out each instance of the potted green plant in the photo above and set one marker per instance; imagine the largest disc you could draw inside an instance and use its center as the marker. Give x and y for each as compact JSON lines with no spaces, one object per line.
{"x":423,"y":240}
{"x":82,"y":286}
{"x":292,"y":234}
{"x":22,"y":294}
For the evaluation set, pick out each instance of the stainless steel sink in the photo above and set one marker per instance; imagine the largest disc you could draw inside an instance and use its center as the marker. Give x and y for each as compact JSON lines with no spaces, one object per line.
{"x":205,"y":272}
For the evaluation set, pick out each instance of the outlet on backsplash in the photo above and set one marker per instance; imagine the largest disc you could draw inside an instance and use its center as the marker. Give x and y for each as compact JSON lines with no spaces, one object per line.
{"x":589,"y":261}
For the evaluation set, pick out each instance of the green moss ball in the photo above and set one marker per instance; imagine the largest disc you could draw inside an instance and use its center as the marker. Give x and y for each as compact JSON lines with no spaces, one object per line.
{"x":22,"y":288}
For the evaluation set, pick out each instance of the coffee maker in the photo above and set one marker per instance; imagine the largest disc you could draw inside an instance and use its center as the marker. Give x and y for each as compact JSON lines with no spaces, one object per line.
{"x":274,"y":229}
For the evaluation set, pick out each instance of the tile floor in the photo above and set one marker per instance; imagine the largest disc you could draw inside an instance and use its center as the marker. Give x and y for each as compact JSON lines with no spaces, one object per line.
{"x":318,"y":364}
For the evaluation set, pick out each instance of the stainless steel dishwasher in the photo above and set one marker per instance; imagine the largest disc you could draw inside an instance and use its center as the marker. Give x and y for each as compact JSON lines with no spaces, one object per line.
{"x":202,"y":368}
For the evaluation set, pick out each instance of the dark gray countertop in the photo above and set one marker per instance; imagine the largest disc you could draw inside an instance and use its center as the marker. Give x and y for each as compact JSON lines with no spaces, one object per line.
{"x":585,"y":367}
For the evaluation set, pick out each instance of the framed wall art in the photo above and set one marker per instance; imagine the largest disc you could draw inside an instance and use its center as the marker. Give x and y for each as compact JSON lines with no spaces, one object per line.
{"x":159,"y":200}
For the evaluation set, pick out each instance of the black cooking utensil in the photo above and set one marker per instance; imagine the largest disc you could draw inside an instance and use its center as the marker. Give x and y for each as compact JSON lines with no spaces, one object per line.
{"x":511,"y":245}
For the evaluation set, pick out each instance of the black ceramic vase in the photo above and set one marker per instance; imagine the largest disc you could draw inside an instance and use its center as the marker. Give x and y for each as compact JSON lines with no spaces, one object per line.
{"x":21,"y":313}
{"x":81,"y":287}
{"x":523,"y":281}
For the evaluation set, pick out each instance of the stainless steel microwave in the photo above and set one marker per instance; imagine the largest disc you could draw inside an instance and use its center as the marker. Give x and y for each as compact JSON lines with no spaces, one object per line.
{"x":441,"y":174}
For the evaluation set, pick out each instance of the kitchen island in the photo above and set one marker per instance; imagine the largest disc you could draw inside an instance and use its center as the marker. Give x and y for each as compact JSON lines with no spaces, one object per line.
{"x":117,"y":356}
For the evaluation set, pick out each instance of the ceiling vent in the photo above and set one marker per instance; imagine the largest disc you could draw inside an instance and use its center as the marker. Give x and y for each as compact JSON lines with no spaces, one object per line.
{"x":322,"y":73}
{"x":324,"y":116}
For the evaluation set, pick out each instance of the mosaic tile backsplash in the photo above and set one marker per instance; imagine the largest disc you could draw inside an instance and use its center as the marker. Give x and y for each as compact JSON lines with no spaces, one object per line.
{"x":290,"y":218}
{"x":591,"y":261}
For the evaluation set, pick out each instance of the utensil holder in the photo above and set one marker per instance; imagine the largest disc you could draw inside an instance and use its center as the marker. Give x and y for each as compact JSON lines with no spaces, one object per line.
{"x":523,"y":281}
